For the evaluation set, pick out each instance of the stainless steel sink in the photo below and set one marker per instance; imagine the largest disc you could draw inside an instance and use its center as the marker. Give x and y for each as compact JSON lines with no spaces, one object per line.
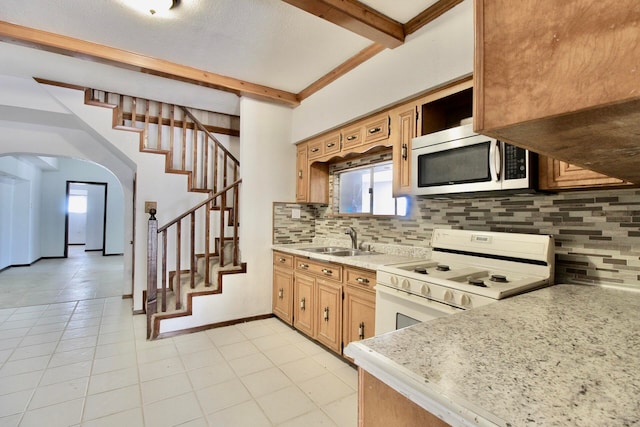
{"x":337,"y":251}
{"x":326,"y":249}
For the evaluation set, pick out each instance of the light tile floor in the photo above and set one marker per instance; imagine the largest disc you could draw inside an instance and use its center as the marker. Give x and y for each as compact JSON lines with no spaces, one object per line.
{"x":86,"y":362}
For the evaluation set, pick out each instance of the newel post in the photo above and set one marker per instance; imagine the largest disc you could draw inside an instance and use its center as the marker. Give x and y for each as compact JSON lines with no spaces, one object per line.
{"x":152,"y":269}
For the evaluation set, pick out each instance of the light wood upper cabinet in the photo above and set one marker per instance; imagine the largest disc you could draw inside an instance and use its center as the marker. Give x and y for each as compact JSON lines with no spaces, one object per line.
{"x":404,"y":120}
{"x":302,"y":173}
{"x":561,"y":78}
{"x":558,"y":175}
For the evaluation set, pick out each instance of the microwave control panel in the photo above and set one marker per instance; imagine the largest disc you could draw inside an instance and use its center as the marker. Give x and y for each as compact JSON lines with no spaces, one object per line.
{"x":515,"y":162}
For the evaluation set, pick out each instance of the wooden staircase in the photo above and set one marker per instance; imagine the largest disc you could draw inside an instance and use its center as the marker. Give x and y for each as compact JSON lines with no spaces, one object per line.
{"x":188,"y":256}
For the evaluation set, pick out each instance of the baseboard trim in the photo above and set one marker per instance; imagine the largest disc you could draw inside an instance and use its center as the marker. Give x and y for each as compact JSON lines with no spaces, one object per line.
{"x":30,"y":264}
{"x":121,"y":254}
{"x":213,"y":326}
{"x":93,"y":250}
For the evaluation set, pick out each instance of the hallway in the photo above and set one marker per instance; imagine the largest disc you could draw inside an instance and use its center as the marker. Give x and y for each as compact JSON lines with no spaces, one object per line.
{"x":80,"y":276}
{"x":84,"y":361}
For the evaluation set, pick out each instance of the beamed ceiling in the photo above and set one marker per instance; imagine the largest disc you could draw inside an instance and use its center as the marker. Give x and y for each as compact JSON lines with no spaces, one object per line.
{"x":278,"y":50}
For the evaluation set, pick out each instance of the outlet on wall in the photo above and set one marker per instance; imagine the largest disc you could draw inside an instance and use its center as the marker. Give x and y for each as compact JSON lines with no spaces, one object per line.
{"x":295,"y":213}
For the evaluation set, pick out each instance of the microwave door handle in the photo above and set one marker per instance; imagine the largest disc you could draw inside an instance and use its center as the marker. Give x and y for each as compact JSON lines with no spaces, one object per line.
{"x":495,"y":160}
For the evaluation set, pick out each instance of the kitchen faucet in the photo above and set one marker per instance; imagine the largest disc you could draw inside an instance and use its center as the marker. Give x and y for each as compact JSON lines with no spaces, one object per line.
{"x":354,"y":237}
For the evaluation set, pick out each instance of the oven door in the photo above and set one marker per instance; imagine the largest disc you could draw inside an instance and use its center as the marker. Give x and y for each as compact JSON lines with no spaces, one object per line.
{"x":396,"y":309}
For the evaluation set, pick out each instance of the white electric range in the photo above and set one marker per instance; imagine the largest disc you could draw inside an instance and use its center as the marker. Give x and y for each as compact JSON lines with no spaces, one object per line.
{"x":467,"y":269}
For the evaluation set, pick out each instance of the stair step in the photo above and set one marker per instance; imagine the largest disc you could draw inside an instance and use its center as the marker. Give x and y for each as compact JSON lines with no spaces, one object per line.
{"x":185,"y":289}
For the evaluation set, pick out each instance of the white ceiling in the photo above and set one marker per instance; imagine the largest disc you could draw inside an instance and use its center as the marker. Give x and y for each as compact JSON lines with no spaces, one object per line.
{"x":267,"y":42}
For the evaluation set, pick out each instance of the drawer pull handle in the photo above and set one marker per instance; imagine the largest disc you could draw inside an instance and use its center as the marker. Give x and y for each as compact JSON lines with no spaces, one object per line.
{"x":315,"y":150}
{"x":303,"y":304}
{"x":327,"y":271}
{"x":300,"y":174}
{"x":331,"y":144}
{"x":303,"y":265}
{"x":362,"y":280}
{"x":280,"y":293}
{"x":404,"y":151}
{"x":375,"y":130}
{"x":325,"y":314}
{"x":351,"y":137}
{"x":282,"y":260}
{"x":361,"y":330}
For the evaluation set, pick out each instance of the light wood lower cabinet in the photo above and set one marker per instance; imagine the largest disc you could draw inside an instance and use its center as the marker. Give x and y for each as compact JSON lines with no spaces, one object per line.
{"x":304,"y":304}
{"x":381,"y":406}
{"x":359,"y":314}
{"x":329,"y":314}
{"x":331,"y":303}
{"x":282,"y":299}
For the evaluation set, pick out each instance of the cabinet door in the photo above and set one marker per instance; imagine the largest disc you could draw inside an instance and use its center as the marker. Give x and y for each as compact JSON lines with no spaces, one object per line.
{"x":302,"y":173}
{"x":403,"y":129}
{"x":359,"y":315}
{"x":304,"y":304}
{"x":329,"y":315}
{"x":558,"y":175}
{"x":283,"y":293}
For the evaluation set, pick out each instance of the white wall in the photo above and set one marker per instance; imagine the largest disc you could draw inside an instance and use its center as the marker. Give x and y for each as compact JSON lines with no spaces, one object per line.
{"x":6,"y":221}
{"x":267,"y":160}
{"x":437,"y":53}
{"x":96,"y":232}
{"x":54,"y":188}
{"x":26,"y":210}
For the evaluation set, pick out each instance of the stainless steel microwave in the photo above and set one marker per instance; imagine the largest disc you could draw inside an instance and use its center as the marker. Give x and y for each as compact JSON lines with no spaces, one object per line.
{"x":458,"y":161}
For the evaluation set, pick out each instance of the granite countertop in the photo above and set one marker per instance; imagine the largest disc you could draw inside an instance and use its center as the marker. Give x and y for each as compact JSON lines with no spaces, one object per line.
{"x":370,"y":262}
{"x":568,"y":355}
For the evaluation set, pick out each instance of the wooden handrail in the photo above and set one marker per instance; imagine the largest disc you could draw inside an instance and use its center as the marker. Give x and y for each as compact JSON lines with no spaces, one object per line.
{"x":199,"y":205}
{"x":209,"y":134}
{"x":154,"y":234}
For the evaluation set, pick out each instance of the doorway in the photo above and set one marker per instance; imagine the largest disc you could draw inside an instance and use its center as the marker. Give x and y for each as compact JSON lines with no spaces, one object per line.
{"x":86,"y":216}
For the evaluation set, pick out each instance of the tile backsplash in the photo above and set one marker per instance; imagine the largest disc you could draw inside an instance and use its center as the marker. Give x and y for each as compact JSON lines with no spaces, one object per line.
{"x":597,"y":233}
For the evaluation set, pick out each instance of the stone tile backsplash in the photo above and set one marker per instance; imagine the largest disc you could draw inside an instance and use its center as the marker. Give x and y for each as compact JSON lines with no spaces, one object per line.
{"x":597,"y":233}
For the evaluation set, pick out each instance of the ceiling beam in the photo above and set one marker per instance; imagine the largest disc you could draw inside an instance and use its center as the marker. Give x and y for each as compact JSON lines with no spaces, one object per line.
{"x":82,"y":49}
{"x":356,"y":17}
{"x":429,"y":14}
{"x":342,"y":69}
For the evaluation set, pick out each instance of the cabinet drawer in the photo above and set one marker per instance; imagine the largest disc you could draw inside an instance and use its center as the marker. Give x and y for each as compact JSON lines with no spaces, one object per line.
{"x":352,"y":137}
{"x":282,"y":259}
{"x":326,"y":270}
{"x":315,"y":149}
{"x":331,"y":144}
{"x":359,"y":278}
{"x":377,"y":129}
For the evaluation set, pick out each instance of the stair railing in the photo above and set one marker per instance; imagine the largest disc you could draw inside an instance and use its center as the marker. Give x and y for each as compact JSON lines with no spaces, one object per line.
{"x":157,"y":234}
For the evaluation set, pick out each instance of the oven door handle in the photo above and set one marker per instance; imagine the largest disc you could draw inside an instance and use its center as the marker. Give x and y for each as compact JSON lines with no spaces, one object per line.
{"x":495,"y":160}
{"x":415,"y":299}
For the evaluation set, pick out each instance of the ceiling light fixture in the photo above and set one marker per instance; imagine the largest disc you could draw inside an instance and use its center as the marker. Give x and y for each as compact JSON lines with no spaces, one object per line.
{"x":154,"y":6}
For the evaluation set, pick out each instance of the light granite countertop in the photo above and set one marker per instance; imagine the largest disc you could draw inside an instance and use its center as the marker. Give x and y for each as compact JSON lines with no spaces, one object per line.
{"x":568,"y":355}
{"x":370,"y":262}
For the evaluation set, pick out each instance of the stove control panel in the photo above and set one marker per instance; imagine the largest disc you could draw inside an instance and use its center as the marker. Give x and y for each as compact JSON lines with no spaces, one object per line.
{"x":432,"y":291}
